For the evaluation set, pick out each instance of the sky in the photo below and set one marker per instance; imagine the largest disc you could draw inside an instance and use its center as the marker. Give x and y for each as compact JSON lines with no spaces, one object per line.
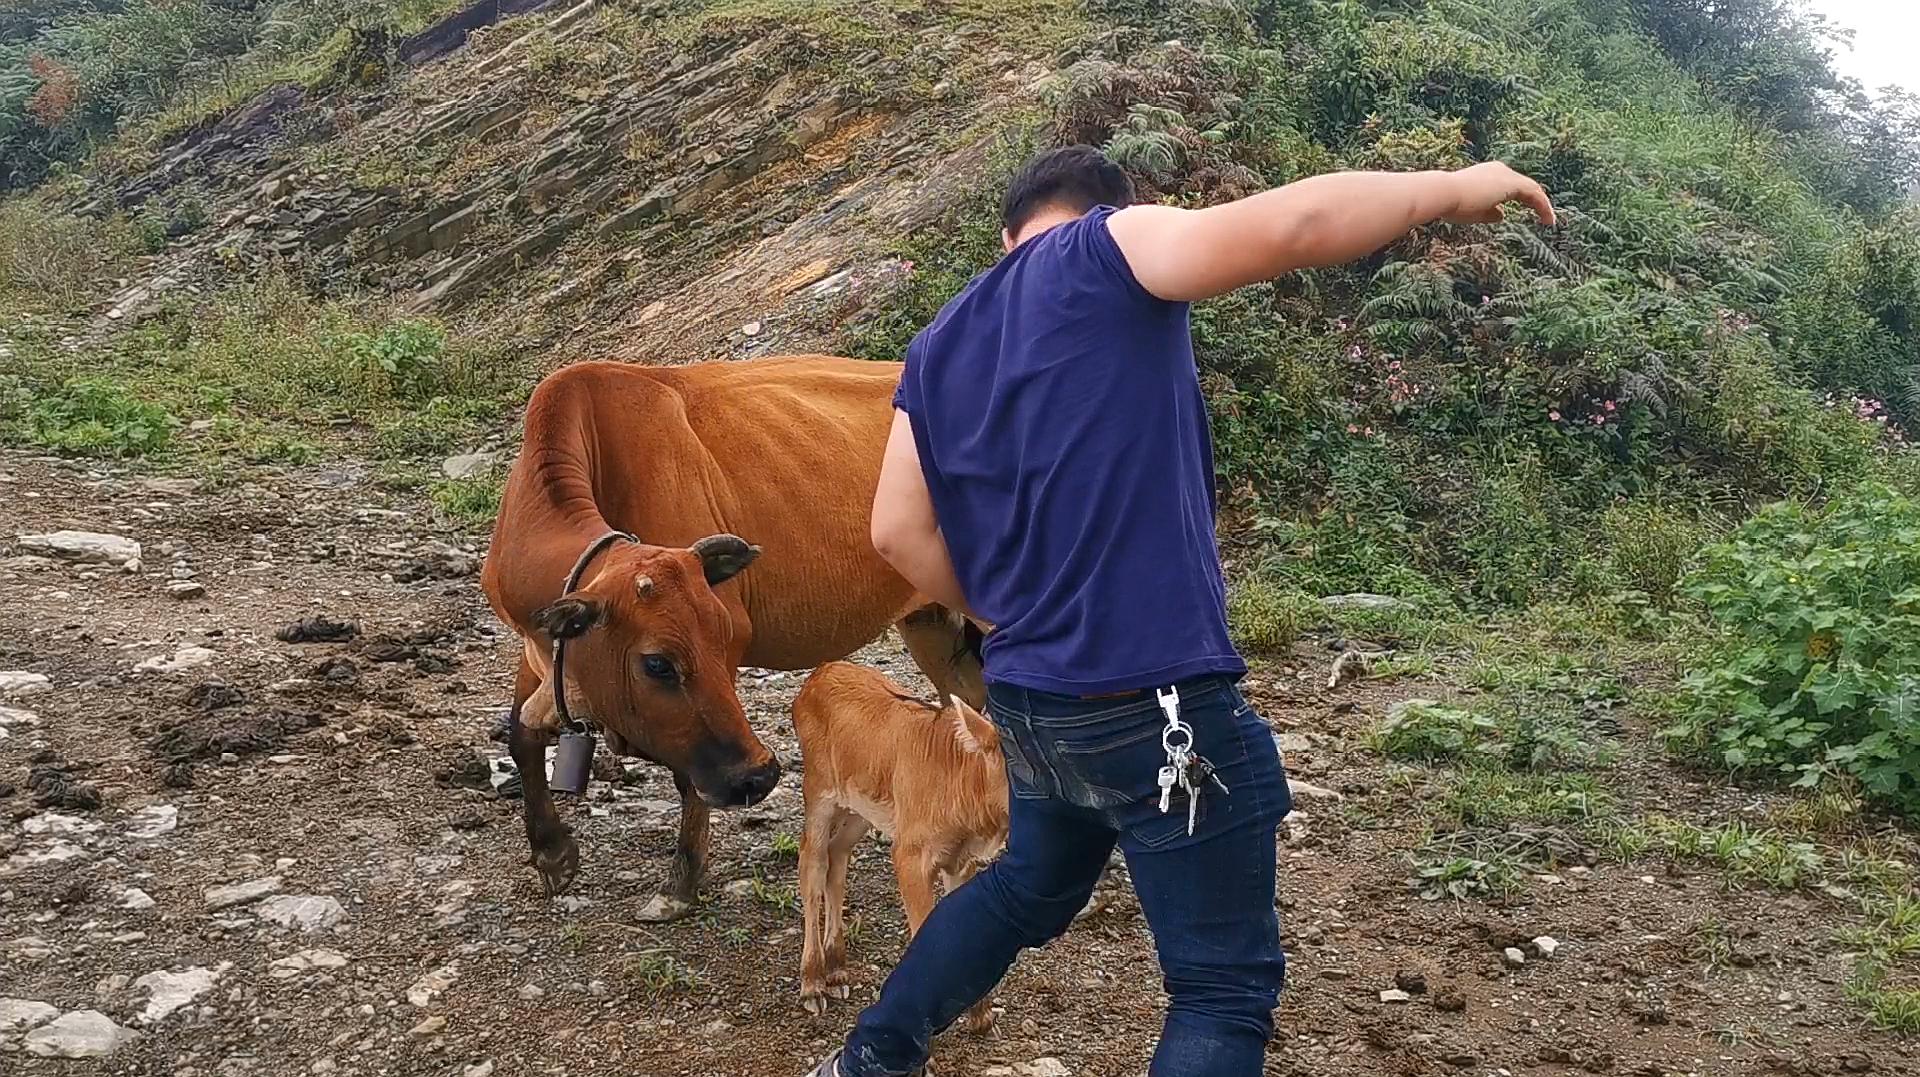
{"x":1886,"y":44}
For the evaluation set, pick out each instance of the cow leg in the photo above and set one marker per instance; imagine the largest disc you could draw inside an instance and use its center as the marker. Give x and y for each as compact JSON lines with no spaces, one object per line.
{"x":689,"y":859}
{"x":936,"y":640}
{"x":816,"y":842}
{"x":848,"y":830}
{"x":554,"y":852}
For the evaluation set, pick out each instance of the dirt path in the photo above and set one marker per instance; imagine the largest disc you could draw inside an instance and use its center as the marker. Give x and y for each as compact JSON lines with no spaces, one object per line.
{"x":349,"y":781}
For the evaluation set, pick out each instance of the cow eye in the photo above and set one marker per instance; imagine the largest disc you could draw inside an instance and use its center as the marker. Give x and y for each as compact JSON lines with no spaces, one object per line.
{"x":660,"y":668}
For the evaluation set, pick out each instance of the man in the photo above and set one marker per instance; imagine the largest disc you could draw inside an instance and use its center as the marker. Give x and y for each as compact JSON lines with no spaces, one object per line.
{"x":1050,"y":471}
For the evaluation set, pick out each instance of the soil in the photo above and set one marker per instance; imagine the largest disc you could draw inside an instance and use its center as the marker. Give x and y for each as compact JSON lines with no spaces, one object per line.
{"x":358,"y":768}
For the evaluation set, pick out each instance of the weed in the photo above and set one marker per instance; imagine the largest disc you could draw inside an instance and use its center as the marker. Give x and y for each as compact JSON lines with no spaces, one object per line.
{"x":786,"y":846}
{"x":1889,"y":1008}
{"x":1439,"y":872}
{"x":779,"y":897}
{"x":655,"y":972}
{"x":1827,"y":811}
{"x":1712,"y":944}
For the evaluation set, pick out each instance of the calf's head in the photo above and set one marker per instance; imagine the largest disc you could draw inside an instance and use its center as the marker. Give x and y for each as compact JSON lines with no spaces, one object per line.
{"x":652,"y":654}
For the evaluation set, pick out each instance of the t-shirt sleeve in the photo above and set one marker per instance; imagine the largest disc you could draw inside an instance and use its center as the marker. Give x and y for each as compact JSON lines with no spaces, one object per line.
{"x":906,"y":395}
{"x":1098,"y":242}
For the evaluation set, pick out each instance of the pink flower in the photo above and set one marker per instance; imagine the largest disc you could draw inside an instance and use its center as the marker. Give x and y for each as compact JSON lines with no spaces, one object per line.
{"x":906,"y":267}
{"x":1553,"y":414}
{"x":1355,"y":352}
{"x":1609,"y":405}
{"x":1353,"y":428}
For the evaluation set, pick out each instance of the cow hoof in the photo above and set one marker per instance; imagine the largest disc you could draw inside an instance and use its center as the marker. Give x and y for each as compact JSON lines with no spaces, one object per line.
{"x":558,"y":863}
{"x":840,"y":991}
{"x":814,"y":1002}
{"x":663,"y":909}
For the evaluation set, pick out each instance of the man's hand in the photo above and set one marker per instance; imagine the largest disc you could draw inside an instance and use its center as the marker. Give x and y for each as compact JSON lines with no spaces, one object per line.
{"x":1483,"y":189}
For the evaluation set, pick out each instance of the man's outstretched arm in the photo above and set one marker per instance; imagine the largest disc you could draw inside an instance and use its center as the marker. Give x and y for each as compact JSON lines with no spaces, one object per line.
{"x":1189,"y":255}
{"x":905,"y":532}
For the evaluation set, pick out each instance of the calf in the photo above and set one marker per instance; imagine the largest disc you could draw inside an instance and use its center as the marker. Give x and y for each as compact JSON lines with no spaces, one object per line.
{"x":931,"y":778}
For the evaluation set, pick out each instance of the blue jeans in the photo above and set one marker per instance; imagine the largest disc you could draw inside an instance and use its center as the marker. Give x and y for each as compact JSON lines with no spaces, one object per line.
{"x":1082,"y":778}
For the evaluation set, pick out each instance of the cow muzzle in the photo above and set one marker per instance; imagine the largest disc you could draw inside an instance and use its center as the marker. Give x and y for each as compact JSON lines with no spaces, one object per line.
{"x":742,"y":786}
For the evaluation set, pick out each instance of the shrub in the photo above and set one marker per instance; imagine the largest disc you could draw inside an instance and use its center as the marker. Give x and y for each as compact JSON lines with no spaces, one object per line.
{"x":53,"y":261}
{"x":1818,"y":669}
{"x":1266,"y":618}
{"x":1647,"y":546}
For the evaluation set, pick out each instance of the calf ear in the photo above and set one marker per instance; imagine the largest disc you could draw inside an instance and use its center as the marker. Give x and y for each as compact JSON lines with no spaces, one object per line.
{"x":972,"y":731}
{"x":569,"y":617}
{"x":723,"y":557}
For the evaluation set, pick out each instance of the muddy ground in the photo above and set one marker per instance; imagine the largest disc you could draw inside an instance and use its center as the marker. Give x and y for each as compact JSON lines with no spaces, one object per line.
{"x":394,"y":928}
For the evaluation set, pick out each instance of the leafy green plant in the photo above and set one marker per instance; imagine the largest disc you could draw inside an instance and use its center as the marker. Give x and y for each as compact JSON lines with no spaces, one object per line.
{"x":96,"y":417}
{"x":1529,"y":734}
{"x":1818,"y":669}
{"x":1442,"y":873}
{"x":408,"y":352}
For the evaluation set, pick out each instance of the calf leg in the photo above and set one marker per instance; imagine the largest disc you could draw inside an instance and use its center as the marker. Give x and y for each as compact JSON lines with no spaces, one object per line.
{"x":689,"y":859}
{"x":937,"y":641}
{"x":847,"y":832}
{"x":554,"y":852}
{"x":816,"y":841}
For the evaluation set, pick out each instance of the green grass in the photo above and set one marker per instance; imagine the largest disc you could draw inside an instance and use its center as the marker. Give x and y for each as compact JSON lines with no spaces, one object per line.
{"x":275,"y":374}
{"x":471,"y":503}
{"x":1490,"y":797}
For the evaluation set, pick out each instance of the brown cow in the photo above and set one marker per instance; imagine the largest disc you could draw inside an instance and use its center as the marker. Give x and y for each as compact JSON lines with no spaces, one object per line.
{"x":931,"y":778}
{"x":784,"y":451}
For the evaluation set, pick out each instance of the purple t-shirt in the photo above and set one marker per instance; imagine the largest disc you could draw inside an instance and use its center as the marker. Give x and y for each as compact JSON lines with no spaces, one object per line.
{"x":1064,"y":440}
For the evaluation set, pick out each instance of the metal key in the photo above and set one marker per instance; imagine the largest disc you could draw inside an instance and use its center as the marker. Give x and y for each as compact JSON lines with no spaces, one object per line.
{"x":1168,"y":777}
{"x":1193,"y":802}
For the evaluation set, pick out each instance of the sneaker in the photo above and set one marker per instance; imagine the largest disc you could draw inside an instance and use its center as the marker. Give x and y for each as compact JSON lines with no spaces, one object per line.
{"x":830,"y":1067}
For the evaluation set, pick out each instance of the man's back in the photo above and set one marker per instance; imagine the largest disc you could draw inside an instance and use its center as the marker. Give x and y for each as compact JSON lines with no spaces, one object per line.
{"x":1064,"y":440}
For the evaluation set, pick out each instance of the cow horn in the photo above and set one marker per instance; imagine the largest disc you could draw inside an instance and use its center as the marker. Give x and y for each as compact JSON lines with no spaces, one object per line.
{"x":643,"y":586}
{"x":722,"y":557}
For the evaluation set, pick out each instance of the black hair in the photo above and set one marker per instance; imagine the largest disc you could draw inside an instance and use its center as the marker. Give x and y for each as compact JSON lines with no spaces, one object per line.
{"x":1075,"y":178}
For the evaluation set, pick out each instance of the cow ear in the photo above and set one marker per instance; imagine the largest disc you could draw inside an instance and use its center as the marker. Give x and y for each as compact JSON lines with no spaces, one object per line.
{"x":569,"y":617}
{"x":722,"y":557}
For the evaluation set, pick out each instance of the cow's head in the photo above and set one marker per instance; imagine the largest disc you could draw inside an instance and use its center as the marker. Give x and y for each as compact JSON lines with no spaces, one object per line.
{"x":652,"y":654}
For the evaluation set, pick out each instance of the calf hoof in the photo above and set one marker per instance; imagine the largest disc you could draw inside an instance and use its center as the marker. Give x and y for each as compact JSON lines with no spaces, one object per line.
{"x":558,"y":862}
{"x":664,"y":909}
{"x":813,"y":1000}
{"x":980,"y":1019}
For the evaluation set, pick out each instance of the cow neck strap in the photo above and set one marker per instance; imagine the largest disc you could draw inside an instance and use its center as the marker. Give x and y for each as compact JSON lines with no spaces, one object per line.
{"x":560,"y":645}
